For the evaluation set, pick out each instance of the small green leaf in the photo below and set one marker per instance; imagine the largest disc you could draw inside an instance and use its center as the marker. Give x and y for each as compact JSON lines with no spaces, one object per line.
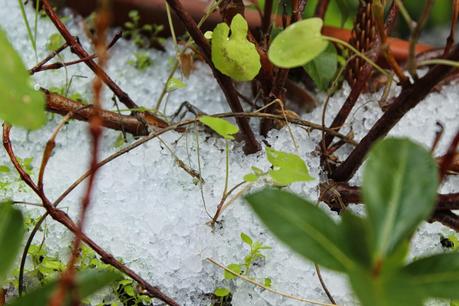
{"x":298,"y":44}
{"x":11,"y":234}
{"x":174,"y":84}
{"x":86,"y":282}
{"x":221,"y":292}
{"x":4,"y":169}
{"x":235,"y":56}
{"x":250,"y":178}
{"x":399,"y":189}
{"x":323,"y":68}
{"x":437,"y":275}
{"x":55,"y":41}
{"x":303,"y":226}
{"x":220,"y":126}
{"x":268,"y":282}
{"x":245,"y":238}
{"x":288,"y":167}
{"x":233,"y":267}
{"x":20,"y":104}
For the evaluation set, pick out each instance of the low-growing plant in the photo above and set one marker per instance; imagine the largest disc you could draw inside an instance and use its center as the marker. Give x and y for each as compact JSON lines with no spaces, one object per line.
{"x":143,"y":36}
{"x":141,"y":61}
{"x":399,"y":190}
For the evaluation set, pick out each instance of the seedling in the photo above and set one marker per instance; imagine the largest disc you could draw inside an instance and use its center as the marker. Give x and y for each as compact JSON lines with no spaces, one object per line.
{"x":143,"y":36}
{"x":141,"y":61}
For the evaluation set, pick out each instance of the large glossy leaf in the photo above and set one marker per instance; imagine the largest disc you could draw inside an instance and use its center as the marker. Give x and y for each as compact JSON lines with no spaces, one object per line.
{"x":385,"y":290}
{"x":298,"y":44}
{"x":302,"y":226}
{"x":437,"y":276}
{"x":288,"y":167}
{"x":399,"y":190}
{"x":11,"y":234}
{"x":235,"y":56}
{"x":88,"y":283}
{"x":20,"y":104}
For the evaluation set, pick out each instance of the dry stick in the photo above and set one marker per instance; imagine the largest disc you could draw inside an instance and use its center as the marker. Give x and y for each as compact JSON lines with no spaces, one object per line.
{"x":225,"y":82}
{"x":406,"y":100}
{"x":65,"y":220}
{"x":324,"y":286}
{"x":266,"y":21}
{"x":249,"y":280}
{"x":48,"y":58}
{"x":59,"y":65}
{"x":81,"y":53}
{"x":452,"y":31}
{"x":67,"y":280}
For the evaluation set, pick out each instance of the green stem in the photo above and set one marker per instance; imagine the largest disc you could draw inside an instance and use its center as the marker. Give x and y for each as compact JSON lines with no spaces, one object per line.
{"x":29,"y":30}
{"x":439,"y":61}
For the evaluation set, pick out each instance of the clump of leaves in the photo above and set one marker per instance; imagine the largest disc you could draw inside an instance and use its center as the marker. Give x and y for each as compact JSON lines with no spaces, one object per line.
{"x":235,"y":56}
{"x":141,"y":61}
{"x":143,"y":36}
{"x":399,"y":189}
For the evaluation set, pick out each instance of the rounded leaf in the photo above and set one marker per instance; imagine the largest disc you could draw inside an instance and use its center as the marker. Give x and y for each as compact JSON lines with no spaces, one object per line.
{"x":298,"y":44}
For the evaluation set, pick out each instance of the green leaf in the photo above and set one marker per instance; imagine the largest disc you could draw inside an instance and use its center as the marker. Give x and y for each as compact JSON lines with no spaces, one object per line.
{"x":20,"y":104}
{"x":233,"y":267}
{"x":355,"y":238}
{"x":298,"y":44}
{"x":301,"y":225}
{"x":87,"y":282}
{"x":11,"y":234}
{"x":221,"y":292}
{"x":251,"y":177}
{"x":268,"y":282}
{"x":323,"y":68}
{"x":245,"y":238}
{"x":384,"y":290}
{"x":437,"y":275}
{"x":174,"y":84}
{"x":399,"y":190}
{"x":55,"y":41}
{"x":4,"y":169}
{"x":220,"y":126}
{"x":288,"y":167}
{"x":235,"y":56}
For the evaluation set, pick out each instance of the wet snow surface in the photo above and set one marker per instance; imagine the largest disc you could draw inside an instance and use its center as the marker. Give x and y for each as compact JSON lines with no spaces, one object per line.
{"x":148,"y":211}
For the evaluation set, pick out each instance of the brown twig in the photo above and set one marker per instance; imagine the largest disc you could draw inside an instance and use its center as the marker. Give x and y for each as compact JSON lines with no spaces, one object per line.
{"x":321,"y":8}
{"x":48,"y":58}
{"x":448,"y":158}
{"x":225,"y":82}
{"x":406,"y":100}
{"x":82,"y":54}
{"x":452,"y":31}
{"x":65,"y":220}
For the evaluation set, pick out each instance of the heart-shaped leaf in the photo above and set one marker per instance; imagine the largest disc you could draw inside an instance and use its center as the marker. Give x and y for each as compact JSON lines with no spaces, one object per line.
{"x":303,"y":226}
{"x":235,"y":56}
{"x":220,"y":126}
{"x":437,"y":275}
{"x":11,"y":234}
{"x":399,"y":190}
{"x":20,"y":104}
{"x":174,"y":84}
{"x":288,"y":167}
{"x":298,"y":44}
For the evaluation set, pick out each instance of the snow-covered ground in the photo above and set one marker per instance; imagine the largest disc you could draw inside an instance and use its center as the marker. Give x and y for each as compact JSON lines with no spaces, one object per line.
{"x":148,"y":211}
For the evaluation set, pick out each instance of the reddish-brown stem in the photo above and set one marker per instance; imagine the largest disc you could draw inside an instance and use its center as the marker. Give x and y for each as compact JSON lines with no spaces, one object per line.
{"x":321,"y":8}
{"x":406,"y":100}
{"x":448,"y":158}
{"x":266,"y":21}
{"x":48,"y":58}
{"x":65,"y":220}
{"x":225,"y":82}
{"x":452,"y":32}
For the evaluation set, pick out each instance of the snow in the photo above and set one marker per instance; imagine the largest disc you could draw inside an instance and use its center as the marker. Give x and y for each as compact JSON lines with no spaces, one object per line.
{"x":149,"y":212}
